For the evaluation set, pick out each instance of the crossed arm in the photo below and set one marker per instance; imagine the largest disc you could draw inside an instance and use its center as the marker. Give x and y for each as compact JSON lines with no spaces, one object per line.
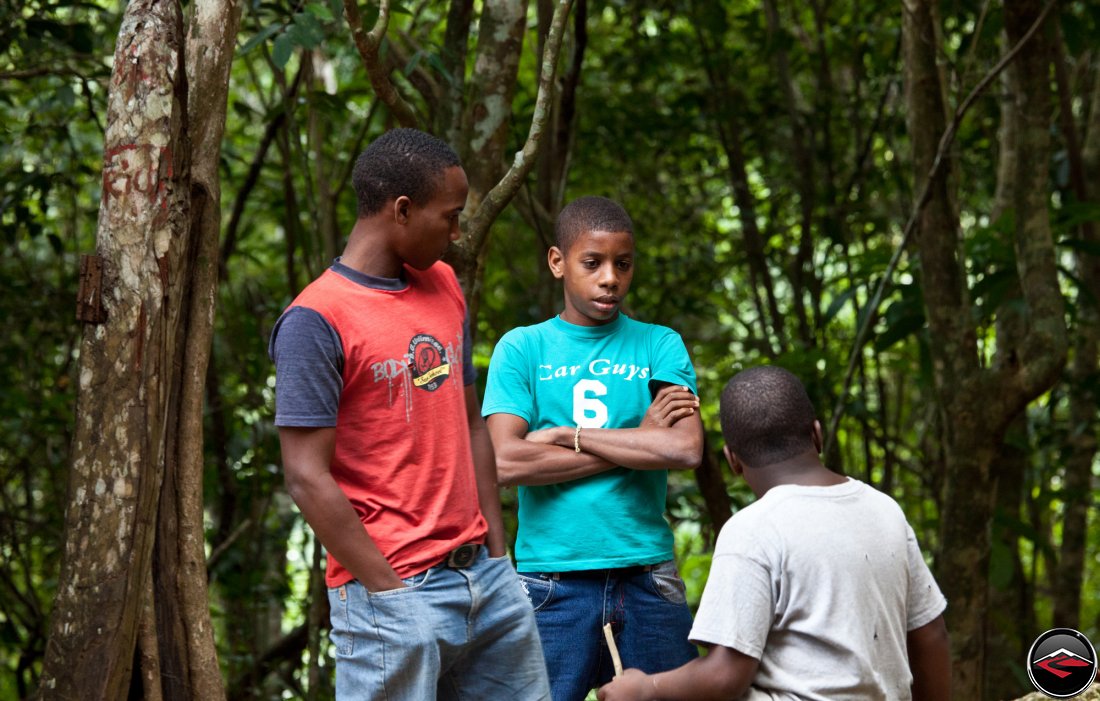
{"x":669,"y":437}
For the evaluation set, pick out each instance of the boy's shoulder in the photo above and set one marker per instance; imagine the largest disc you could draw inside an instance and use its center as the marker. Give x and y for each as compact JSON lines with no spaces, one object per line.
{"x":520,"y":333}
{"x":638,"y":325}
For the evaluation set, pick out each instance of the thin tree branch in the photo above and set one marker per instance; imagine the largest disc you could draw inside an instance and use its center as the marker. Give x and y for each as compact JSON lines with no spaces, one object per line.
{"x":368,"y":45}
{"x":229,"y":243}
{"x":910,"y":226}
{"x":224,"y":546}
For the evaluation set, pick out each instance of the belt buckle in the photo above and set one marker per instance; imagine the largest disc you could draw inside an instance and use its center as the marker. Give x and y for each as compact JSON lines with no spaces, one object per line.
{"x":463,"y":556}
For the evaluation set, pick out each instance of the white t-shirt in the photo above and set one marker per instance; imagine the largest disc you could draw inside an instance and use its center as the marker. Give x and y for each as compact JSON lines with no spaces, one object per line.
{"x":821,"y":584}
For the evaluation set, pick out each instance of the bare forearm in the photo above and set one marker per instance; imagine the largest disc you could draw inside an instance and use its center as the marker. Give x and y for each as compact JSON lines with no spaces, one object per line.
{"x":644,"y":448}
{"x":722,"y":674}
{"x":701,"y":679}
{"x":332,"y":518}
{"x":526,"y":463}
{"x":488,"y":492}
{"x":930,"y":661}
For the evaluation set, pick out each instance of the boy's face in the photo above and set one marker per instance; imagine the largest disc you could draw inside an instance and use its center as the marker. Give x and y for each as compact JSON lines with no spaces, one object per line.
{"x":597,"y":269}
{"x":431,"y":226}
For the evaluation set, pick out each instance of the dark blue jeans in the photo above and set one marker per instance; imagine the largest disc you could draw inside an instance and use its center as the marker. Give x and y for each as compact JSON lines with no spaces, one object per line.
{"x":645,"y":606}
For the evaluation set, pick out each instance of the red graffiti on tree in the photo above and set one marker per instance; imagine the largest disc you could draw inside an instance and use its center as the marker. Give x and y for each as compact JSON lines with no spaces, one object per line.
{"x":144,"y":170}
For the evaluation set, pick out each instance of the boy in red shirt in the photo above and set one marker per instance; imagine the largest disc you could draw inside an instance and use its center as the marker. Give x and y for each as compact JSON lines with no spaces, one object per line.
{"x":386,"y":453}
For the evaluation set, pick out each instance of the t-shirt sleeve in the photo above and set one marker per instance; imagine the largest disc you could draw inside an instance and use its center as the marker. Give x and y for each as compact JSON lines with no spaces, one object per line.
{"x":672,"y":364}
{"x":926,"y":601}
{"x":738,"y":603}
{"x":309,"y":366}
{"x":508,"y":387}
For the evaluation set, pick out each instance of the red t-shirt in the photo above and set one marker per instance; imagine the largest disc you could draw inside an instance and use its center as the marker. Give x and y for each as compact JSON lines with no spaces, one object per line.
{"x":402,"y":452}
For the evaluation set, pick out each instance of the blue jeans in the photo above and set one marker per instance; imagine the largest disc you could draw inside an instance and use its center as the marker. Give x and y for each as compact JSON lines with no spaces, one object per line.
{"x":647,"y":610}
{"x":463,"y":634}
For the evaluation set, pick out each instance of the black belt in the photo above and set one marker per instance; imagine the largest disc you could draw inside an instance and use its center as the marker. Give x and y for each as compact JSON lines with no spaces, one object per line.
{"x":462,"y":556}
{"x":631,"y":571}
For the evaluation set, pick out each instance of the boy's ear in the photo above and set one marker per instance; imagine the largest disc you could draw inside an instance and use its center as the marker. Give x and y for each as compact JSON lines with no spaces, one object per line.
{"x":735,"y":464}
{"x":556,"y":260}
{"x":401,"y":207}
{"x":819,"y":444}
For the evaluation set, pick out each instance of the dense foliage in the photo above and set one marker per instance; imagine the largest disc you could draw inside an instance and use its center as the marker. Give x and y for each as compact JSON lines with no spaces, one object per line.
{"x":761,"y":149}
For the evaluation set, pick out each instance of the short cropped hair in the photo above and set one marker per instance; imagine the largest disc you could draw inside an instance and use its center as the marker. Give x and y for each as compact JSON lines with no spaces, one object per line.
{"x":590,"y":213}
{"x":405,"y":162}
{"x":766,"y":416}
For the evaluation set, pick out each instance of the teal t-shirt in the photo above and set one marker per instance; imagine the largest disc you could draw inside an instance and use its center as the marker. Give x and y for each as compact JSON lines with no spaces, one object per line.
{"x":560,"y":374}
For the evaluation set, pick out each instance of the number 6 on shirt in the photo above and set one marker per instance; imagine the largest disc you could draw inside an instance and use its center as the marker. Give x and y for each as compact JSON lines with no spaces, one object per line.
{"x":589,"y":412}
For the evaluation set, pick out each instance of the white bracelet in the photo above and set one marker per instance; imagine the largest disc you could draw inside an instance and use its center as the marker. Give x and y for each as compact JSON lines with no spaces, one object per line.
{"x":577,"y":440}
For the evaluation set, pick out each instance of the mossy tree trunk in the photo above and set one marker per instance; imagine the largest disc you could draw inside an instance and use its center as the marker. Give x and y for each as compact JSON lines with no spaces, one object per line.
{"x":134,"y":566}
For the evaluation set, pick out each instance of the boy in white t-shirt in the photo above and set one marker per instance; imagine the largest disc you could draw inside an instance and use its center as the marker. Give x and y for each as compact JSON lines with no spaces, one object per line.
{"x":818,"y":590}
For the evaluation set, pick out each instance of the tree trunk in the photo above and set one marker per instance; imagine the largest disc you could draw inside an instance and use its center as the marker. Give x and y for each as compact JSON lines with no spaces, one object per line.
{"x":485,"y":125}
{"x":135,"y":544}
{"x":211,"y":41}
{"x":1082,"y":371}
{"x":1011,"y":611}
{"x":1011,"y":623}
{"x":127,"y":381}
{"x":976,"y":405}
{"x":468,"y":255}
{"x":712,"y":487}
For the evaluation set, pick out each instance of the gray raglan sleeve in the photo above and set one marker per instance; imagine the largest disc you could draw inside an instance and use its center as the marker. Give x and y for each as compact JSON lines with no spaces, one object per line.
{"x":309,"y":367}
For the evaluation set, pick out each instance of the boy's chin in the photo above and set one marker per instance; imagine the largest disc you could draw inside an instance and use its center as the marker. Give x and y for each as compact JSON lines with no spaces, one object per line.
{"x":600,"y":316}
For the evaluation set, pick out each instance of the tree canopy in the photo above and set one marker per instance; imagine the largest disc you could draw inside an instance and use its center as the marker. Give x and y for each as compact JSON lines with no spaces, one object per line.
{"x":795,"y":202}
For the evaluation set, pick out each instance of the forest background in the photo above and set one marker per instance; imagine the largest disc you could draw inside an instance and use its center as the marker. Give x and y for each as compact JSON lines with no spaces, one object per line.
{"x":896,"y":201}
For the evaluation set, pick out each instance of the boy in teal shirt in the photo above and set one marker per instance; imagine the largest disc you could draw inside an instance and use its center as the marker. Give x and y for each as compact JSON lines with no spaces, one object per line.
{"x":587,"y":412}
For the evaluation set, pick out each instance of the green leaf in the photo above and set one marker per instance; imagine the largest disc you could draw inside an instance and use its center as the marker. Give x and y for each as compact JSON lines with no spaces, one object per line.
{"x":309,"y":34}
{"x":65,"y":96}
{"x":328,"y":104}
{"x":838,"y":302}
{"x":284,"y":48}
{"x":370,"y":15}
{"x":899,"y":326}
{"x":260,"y":37}
{"x":414,"y":61}
{"x":322,"y":11}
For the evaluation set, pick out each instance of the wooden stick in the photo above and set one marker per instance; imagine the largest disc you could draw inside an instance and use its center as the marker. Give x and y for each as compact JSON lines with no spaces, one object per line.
{"x":614,"y":650}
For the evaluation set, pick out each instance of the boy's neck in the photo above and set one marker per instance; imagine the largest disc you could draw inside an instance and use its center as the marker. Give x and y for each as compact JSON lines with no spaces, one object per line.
{"x":368,"y":250}
{"x":802,"y":471}
{"x":589,"y":323}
